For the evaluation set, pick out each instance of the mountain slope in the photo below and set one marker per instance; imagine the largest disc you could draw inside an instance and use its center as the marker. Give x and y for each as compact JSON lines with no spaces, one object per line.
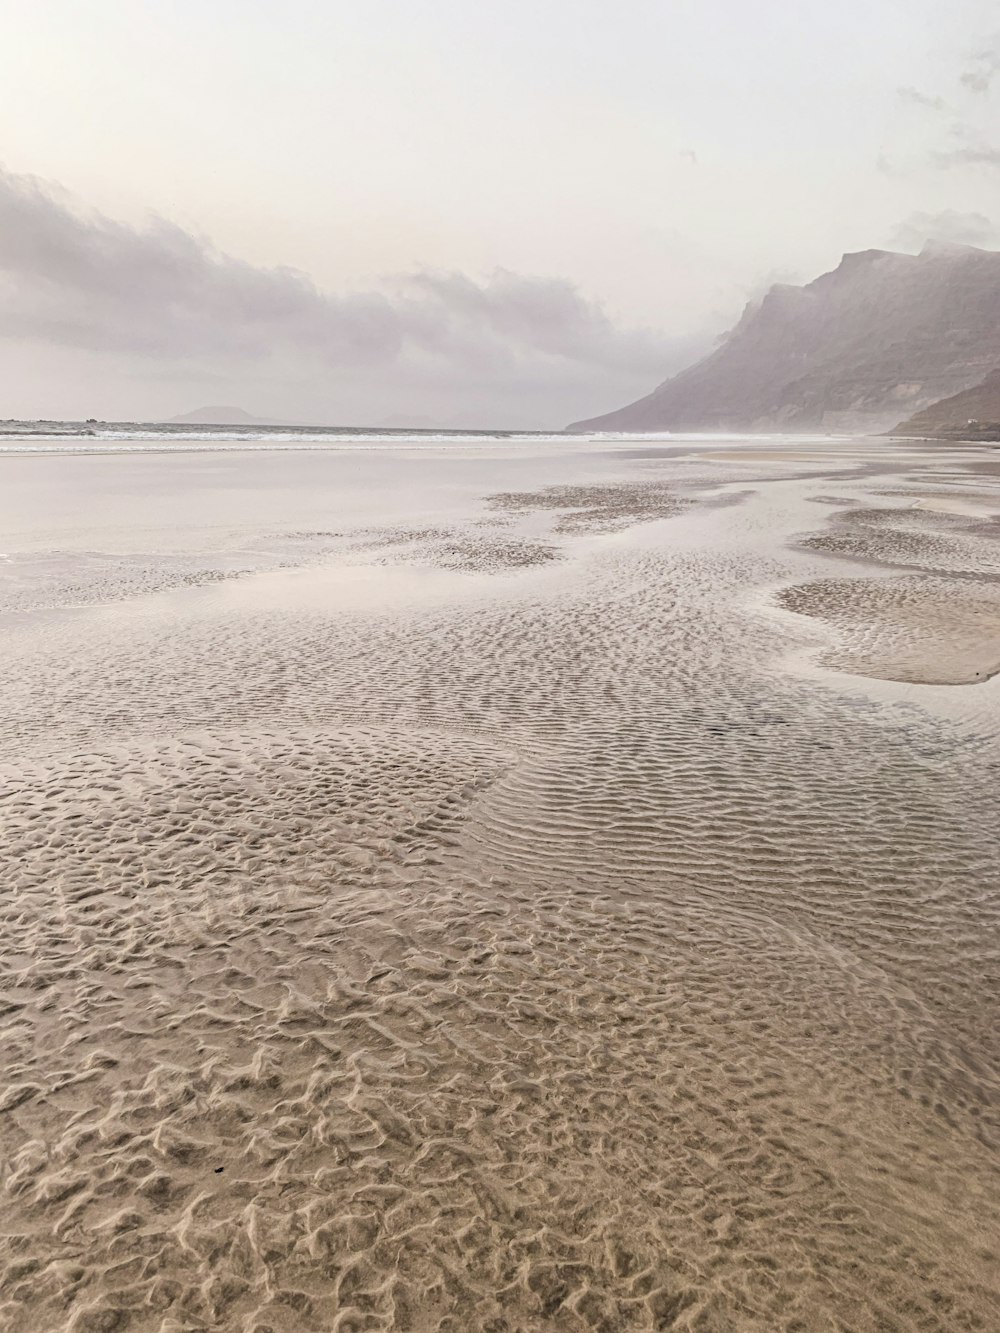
{"x":978,"y":407}
{"x":881,"y":334}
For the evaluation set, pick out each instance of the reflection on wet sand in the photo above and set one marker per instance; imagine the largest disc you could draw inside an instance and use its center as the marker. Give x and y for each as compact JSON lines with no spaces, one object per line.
{"x":495,"y":929}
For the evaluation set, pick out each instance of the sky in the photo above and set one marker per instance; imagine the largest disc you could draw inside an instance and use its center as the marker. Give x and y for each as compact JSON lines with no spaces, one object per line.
{"x":511,"y":215}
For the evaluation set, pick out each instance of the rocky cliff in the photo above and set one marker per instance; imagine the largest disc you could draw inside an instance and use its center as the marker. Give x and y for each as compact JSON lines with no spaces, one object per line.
{"x":880,"y":336}
{"x":971,"y":413}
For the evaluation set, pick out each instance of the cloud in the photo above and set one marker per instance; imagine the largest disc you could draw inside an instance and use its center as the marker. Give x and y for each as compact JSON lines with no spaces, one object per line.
{"x":976,"y":153}
{"x":983,"y":67}
{"x":82,"y":280}
{"x":958,"y":228}
{"x":917,"y":98}
{"x":533,"y":316}
{"x":971,"y":146}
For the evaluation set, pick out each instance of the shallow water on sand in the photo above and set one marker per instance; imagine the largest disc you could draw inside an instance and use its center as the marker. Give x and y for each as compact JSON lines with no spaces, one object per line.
{"x":494,"y":888}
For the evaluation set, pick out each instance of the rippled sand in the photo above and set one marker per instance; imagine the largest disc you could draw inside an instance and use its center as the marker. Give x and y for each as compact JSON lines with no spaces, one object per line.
{"x":501,"y":890}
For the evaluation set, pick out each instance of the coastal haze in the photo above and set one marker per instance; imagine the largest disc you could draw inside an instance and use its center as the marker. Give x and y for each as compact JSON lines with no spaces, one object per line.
{"x":463,"y":871}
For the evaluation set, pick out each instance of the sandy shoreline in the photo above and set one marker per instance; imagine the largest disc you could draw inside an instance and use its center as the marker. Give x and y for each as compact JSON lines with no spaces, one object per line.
{"x":430,"y":902}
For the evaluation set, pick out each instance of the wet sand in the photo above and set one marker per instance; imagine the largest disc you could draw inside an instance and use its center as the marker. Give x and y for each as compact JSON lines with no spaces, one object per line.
{"x":501,"y":889}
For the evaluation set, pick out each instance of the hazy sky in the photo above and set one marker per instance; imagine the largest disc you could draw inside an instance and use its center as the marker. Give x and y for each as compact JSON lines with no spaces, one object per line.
{"x":482,"y":213}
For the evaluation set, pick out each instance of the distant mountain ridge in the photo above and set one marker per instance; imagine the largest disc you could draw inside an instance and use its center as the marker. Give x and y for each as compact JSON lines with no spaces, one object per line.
{"x":222,"y":416}
{"x":881,"y":335}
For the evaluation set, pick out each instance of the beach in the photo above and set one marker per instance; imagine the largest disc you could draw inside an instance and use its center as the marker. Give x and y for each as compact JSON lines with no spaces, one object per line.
{"x":500,"y":884}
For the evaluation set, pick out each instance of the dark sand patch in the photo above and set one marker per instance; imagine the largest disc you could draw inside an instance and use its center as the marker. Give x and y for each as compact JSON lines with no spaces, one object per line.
{"x":60,"y":579}
{"x":608,"y":508}
{"x":482,"y":554}
{"x":922,"y":629}
{"x":939,"y":623}
{"x":479,"y":548}
{"x":932,"y":540}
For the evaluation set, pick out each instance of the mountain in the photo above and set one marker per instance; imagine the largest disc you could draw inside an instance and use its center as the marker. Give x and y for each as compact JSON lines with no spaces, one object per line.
{"x":881,"y":334}
{"x":222,"y":416}
{"x":971,"y":413}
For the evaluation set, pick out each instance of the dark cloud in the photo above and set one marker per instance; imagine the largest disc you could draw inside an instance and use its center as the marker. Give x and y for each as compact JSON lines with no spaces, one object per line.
{"x":533,"y":316}
{"x":87,"y":281}
{"x":958,"y":228}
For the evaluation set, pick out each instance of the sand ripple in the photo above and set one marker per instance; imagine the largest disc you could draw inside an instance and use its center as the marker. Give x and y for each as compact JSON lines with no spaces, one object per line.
{"x":551,"y":960}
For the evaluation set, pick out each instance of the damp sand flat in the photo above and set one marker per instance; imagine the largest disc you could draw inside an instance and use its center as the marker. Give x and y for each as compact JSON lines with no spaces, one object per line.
{"x":498,"y":889}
